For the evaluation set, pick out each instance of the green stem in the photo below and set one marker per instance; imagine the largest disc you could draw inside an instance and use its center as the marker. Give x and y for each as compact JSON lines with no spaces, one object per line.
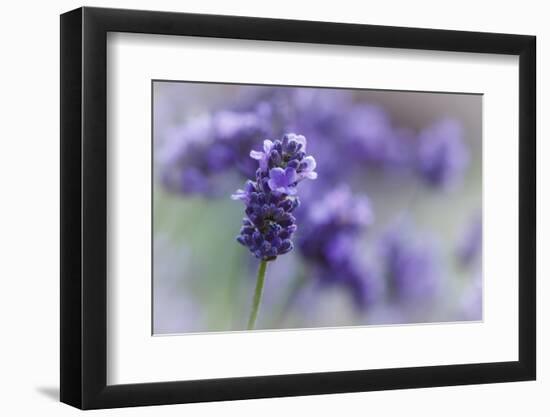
{"x":257,"y":295}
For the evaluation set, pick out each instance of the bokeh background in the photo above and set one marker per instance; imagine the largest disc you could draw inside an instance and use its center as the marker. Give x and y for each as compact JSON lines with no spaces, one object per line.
{"x":389,"y":233}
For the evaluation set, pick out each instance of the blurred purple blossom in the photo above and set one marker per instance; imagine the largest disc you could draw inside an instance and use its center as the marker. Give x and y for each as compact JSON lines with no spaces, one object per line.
{"x":342,"y":209}
{"x":192,"y":155}
{"x":348,"y":134}
{"x":372,"y":139}
{"x":240,"y":131}
{"x":319,"y":110}
{"x":442,"y":153}
{"x":409,"y":264}
{"x":345,"y":135}
{"x":329,"y":240}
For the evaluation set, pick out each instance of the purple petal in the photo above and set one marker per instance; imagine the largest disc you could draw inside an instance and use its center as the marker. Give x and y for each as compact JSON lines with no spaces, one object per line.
{"x":250,"y":187}
{"x":301,"y":140}
{"x":309,"y":163}
{"x":275,"y":187}
{"x":267,"y":146}
{"x":290,"y":175}
{"x":239,"y":195}
{"x":308,"y":175}
{"x":256,"y":155}
{"x":277,"y":177}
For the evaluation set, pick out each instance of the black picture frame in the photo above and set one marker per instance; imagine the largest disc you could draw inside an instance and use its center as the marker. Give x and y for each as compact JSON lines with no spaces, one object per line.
{"x":84,"y":207}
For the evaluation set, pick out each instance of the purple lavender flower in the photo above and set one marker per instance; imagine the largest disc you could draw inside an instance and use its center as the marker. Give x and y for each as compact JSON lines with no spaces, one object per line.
{"x":340,"y":207}
{"x":192,"y":180}
{"x":263,"y":157}
{"x":442,"y":154}
{"x":270,"y":199}
{"x":372,"y":138}
{"x":239,"y":131}
{"x":329,"y":240}
{"x":183,"y":157}
{"x":409,"y":266}
{"x":193,"y":155}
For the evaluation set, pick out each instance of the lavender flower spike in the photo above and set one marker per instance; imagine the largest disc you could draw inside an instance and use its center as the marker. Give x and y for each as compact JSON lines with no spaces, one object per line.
{"x":332,"y":229}
{"x":270,"y":200}
{"x":442,"y":155}
{"x":262,"y":157}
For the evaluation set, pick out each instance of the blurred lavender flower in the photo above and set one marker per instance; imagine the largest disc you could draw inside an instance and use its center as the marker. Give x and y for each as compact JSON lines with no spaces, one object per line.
{"x":181,"y":146}
{"x":192,"y":155}
{"x":442,"y":154}
{"x":371,"y":138}
{"x":340,"y":207}
{"x":319,"y":111}
{"x":270,"y":199}
{"x":319,"y":114}
{"x":409,"y":266}
{"x":240,"y":131}
{"x":329,"y":240}
{"x":469,"y":248}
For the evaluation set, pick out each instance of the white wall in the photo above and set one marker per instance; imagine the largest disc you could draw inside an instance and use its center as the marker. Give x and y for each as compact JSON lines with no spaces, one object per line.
{"x":29,"y":259}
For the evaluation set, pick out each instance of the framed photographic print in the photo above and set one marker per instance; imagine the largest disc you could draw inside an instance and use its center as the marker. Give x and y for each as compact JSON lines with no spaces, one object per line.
{"x":257,"y":208}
